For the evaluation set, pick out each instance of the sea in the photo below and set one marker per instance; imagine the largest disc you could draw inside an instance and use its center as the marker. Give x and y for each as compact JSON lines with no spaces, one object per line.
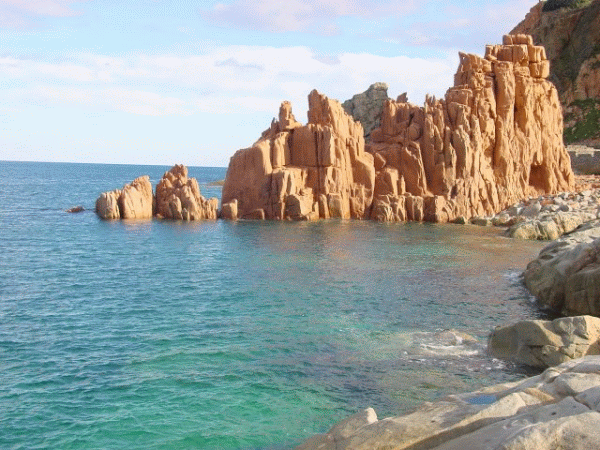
{"x":231,"y":335}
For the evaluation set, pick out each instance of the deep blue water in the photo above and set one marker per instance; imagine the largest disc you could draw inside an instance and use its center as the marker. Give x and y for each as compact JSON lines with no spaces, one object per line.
{"x":221,"y":335}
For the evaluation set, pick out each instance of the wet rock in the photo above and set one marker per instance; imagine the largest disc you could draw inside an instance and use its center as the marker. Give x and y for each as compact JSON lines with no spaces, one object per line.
{"x":229,"y":211}
{"x":481,"y":221}
{"x":558,"y":406}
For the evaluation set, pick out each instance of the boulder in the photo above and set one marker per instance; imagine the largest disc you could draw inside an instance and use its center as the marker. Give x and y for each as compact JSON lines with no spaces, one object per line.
{"x":547,"y":228}
{"x":178,"y":197}
{"x":76,"y":209}
{"x":107,"y":205}
{"x":544,"y":343}
{"x":557,"y":409}
{"x":229,"y":211}
{"x":566,"y":274}
{"x":136,"y":199}
{"x":366,"y":107}
{"x":495,"y":138}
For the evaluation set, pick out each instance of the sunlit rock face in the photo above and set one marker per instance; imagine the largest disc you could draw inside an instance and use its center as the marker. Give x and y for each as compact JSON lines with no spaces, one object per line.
{"x":178,"y":197}
{"x":495,"y":138}
{"x":134,"y":201}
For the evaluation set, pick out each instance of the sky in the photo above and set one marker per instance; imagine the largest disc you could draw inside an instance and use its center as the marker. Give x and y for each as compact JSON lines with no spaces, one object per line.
{"x":192,"y":81}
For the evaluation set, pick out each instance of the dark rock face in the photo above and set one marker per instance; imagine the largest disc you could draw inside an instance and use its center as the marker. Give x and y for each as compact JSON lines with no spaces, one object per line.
{"x":367,"y":107}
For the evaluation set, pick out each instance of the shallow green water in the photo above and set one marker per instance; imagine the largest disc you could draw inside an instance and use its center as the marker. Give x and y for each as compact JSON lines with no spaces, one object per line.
{"x":219,"y":335}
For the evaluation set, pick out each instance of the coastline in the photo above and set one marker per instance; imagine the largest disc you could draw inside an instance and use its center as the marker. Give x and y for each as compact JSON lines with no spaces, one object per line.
{"x":561,"y":403}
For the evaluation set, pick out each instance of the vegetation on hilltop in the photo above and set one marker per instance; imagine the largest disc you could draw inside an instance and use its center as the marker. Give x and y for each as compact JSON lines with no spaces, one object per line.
{"x":582,"y":120}
{"x":552,"y":5}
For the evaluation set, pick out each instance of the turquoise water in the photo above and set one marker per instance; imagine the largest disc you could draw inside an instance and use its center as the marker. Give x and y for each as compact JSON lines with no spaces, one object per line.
{"x":220,"y":335}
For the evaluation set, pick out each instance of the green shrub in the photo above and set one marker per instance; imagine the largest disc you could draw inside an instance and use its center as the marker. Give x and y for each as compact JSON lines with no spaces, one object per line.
{"x":588,"y":127}
{"x":553,"y":5}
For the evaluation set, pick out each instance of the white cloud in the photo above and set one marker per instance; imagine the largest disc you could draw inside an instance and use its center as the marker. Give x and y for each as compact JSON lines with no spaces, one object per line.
{"x":224,"y":80}
{"x":300,"y":15}
{"x":67,"y":71}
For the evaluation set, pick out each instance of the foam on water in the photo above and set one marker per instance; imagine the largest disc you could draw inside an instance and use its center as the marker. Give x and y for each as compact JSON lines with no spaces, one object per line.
{"x":218,"y":335}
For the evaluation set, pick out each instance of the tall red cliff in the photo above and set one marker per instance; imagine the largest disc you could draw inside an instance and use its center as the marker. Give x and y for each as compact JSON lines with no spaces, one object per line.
{"x":495,"y":138}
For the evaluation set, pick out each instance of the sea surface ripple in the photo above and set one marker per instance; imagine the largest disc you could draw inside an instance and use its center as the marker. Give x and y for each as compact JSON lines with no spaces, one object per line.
{"x":230,"y":335}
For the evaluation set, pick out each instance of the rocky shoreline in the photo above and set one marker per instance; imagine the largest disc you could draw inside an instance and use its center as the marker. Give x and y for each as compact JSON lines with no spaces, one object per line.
{"x":494,"y":139}
{"x":559,"y":408}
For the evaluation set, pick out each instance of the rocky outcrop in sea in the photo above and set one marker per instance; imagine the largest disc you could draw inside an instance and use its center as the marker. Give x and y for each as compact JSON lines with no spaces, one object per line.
{"x":177,"y":197}
{"x":134,"y":201}
{"x":494,"y":139}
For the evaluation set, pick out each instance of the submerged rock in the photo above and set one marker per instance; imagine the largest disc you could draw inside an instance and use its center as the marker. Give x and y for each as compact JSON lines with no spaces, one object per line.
{"x":494,"y":139}
{"x":559,"y":406}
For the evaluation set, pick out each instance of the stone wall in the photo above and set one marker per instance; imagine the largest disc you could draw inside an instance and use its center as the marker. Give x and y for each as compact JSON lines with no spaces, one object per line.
{"x":584,"y":160}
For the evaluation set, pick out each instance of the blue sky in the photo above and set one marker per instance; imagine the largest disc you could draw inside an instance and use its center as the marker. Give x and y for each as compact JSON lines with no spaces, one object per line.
{"x":185,"y":81}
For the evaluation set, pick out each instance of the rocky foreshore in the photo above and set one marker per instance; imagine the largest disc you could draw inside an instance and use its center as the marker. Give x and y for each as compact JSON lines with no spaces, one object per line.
{"x":559,"y":409}
{"x":548,"y":217}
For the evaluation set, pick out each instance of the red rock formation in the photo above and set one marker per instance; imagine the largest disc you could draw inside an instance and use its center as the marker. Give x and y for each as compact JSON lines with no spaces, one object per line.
{"x":495,"y":138}
{"x":571,"y":36}
{"x":134,"y":201}
{"x":304,"y":172}
{"x":107,"y":205}
{"x":178,"y":197}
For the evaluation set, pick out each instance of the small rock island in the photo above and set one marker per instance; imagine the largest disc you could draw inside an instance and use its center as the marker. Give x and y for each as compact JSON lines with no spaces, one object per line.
{"x":177,"y":197}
